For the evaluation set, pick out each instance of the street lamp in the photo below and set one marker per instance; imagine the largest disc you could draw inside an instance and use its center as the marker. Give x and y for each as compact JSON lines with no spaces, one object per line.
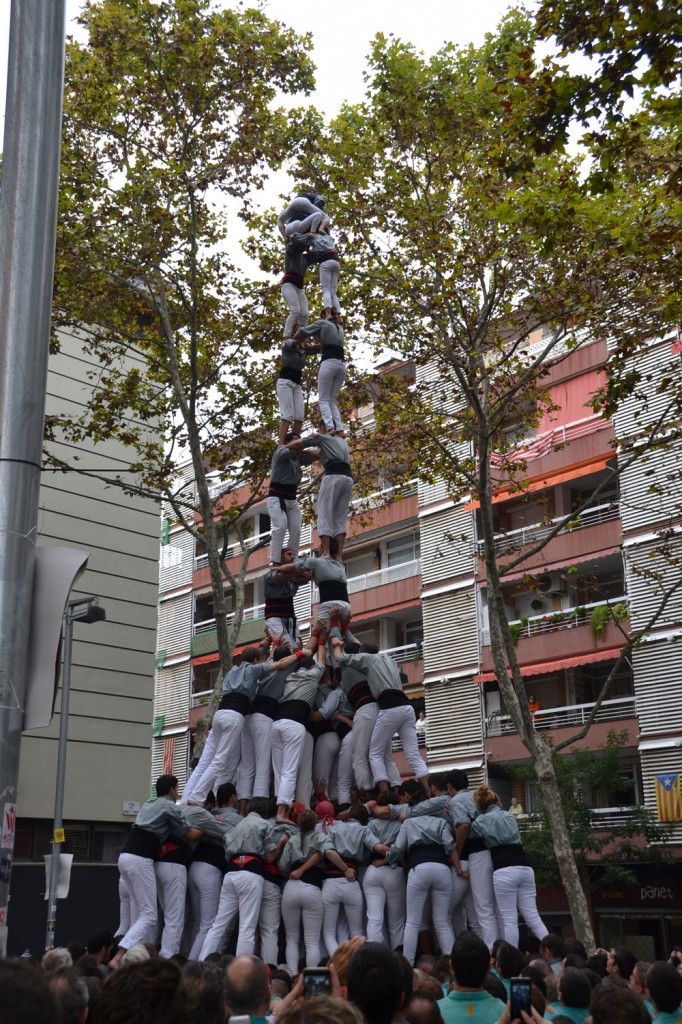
{"x":78,"y":609}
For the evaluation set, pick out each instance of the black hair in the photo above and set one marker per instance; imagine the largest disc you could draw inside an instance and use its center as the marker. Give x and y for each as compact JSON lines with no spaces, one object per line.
{"x":509,"y":960}
{"x":358,"y":812}
{"x":574,"y":988}
{"x":665,"y":986}
{"x":374,"y":982}
{"x":259,"y":805}
{"x":554,"y":943}
{"x":165,"y":783}
{"x":226,"y":790}
{"x":495,"y":987}
{"x":572,"y":945}
{"x":457,"y":778}
{"x":370,"y":649}
{"x":25,"y":995}
{"x":99,"y":940}
{"x":470,"y":958}
{"x":625,"y":961}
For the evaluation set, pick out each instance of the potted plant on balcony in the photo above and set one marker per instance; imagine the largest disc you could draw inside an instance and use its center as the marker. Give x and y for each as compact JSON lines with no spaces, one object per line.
{"x":599,"y":620}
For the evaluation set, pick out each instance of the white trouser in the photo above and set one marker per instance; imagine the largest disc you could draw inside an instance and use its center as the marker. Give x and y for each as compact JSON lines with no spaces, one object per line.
{"x":219,"y":758}
{"x":422,"y":879}
{"x":330,"y":378}
{"x":204,"y":882}
{"x":138,"y":876}
{"x":463,"y":911}
{"x":124,"y":906}
{"x":268,"y":922}
{"x":297,"y":302}
{"x":240,"y":894}
{"x":384,"y":890}
{"x":246,"y":772}
{"x":399,"y":720}
{"x":284,"y":632}
{"x":171,"y":890}
{"x":288,"y":738}
{"x":301,"y":227}
{"x":344,"y":769}
{"x":290,"y":398}
{"x":481,"y":880}
{"x":325,"y":754}
{"x":337,"y":893}
{"x":304,"y":775}
{"x":301,"y":901}
{"x":515,"y":894}
{"x":364,"y":721}
{"x":333,"y":500}
{"x":329,"y":278}
{"x":261,"y":736}
{"x":282,"y":520}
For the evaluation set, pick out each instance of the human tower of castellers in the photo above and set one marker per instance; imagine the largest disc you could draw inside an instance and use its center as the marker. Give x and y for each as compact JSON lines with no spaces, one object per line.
{"x":253,"y":841}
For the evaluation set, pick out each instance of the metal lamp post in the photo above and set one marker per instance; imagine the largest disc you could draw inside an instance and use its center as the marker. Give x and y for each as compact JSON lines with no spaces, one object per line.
{"x":78,"y":609}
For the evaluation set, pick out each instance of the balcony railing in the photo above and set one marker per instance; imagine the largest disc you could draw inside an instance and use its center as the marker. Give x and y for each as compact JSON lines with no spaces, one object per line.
{"x":379,"y":578}
{"x":514,"y":540}
{"x":602,"y":817}
{"x":408,"y":488}
{"x":550,"y":622}
{"x":569,"y":715}
{"x":254,"y":612}
{"x":235,"y":548}
{"x":200,"y":698}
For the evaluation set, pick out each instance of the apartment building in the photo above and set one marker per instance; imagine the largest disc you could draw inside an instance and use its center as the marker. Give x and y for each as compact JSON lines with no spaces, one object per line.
{"x":112,"y":682}
{"x":418,"y":588}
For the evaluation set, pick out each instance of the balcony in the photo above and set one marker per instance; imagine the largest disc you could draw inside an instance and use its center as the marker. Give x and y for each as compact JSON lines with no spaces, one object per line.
{"x":254,"y":612}
{"x":381,"y":577}
{"x":515,"y":540}
{"x":551,"y":622}
{"x":601,"y":818}
{"x":201,"y":561}
{"x":570,"y":715}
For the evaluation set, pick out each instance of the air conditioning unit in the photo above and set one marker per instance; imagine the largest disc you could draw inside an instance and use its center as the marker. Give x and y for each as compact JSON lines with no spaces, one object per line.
{"x":551,"y":583}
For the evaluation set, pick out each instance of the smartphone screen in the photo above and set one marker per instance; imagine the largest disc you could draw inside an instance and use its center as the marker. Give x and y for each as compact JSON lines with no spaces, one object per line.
{"x":519,"y":997}
{"x":317,"y":981}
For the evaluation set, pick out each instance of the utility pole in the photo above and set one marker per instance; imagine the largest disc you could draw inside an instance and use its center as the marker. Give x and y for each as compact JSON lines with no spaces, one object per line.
{"x":28,"y":221}
{"x":78,"y":609}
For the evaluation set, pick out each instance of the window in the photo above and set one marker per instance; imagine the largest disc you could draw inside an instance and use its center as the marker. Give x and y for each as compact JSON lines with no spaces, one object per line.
{"x":414,"y":633}
{"x":402,"y":549}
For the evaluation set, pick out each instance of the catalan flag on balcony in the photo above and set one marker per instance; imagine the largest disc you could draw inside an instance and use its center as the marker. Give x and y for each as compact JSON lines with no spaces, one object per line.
{"x":669,"y":797}
{"x":168,"y":755}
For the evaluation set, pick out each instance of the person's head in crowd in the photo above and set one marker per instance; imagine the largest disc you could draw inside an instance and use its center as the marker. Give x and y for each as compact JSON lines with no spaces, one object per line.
{"x":437,"y":783}
{"x":427,"y":986}
{"x":617,"y":1004}
{"x":145,"y":992}
{"x":135,"y":955}
{"x":493,"y":950}
{"x":226,"y":795}
{"x":621,"y":961}
{"x":407,"y":985}
{"x":575,"y":946}
{"x":100,"y":945}
{"x":258,"y":805}
{"x":166,"y":785}
{"x":425,"y":963}
{"x":25,"y":996}
{"x":56,"y":959}
{"x":638,"y":978}
{"x":469,"y":961}
{"x":358,"y":812}
{"x":575,"y":990}
{"x":509,"y":961}
{"x":537,"y":1000}
{"x":374,"y":982}
{"x":441,"y":970}
{"x":597,"y":962}
{"x":76,"y":949}
{"x":551,"y":947}
{"x":321,"y":1010}
{"x":573,"y":960}
{"x":423,"y":1009}
{"x":71,"y":993}
{"x":551,"y":980}
{"x":664,"y":987}
{"x":247,"y":986}
{"x":592,"y":977}
{"x":495,"y":987}
{"x":205,"y":985}
{"x":536,"y":976}
{"x":342,"y":956}
{"x":88,"y":967}
{"x":455,"y":780}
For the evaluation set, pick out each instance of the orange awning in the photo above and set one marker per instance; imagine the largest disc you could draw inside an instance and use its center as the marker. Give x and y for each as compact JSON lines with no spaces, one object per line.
{"x":542,"y":668}
{"x":204,"y":659}
{"x":539,"y":483}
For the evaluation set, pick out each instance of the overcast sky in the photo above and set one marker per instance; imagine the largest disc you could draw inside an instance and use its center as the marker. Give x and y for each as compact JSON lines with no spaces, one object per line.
{"x":342,"y":34}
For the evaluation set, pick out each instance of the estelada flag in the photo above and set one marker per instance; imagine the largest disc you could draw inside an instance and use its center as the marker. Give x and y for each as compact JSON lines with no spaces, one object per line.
{"x":669,"y":797}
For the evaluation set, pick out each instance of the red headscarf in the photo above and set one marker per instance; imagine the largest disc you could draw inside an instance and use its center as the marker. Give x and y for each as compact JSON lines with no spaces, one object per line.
{"x":325,"y":813}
